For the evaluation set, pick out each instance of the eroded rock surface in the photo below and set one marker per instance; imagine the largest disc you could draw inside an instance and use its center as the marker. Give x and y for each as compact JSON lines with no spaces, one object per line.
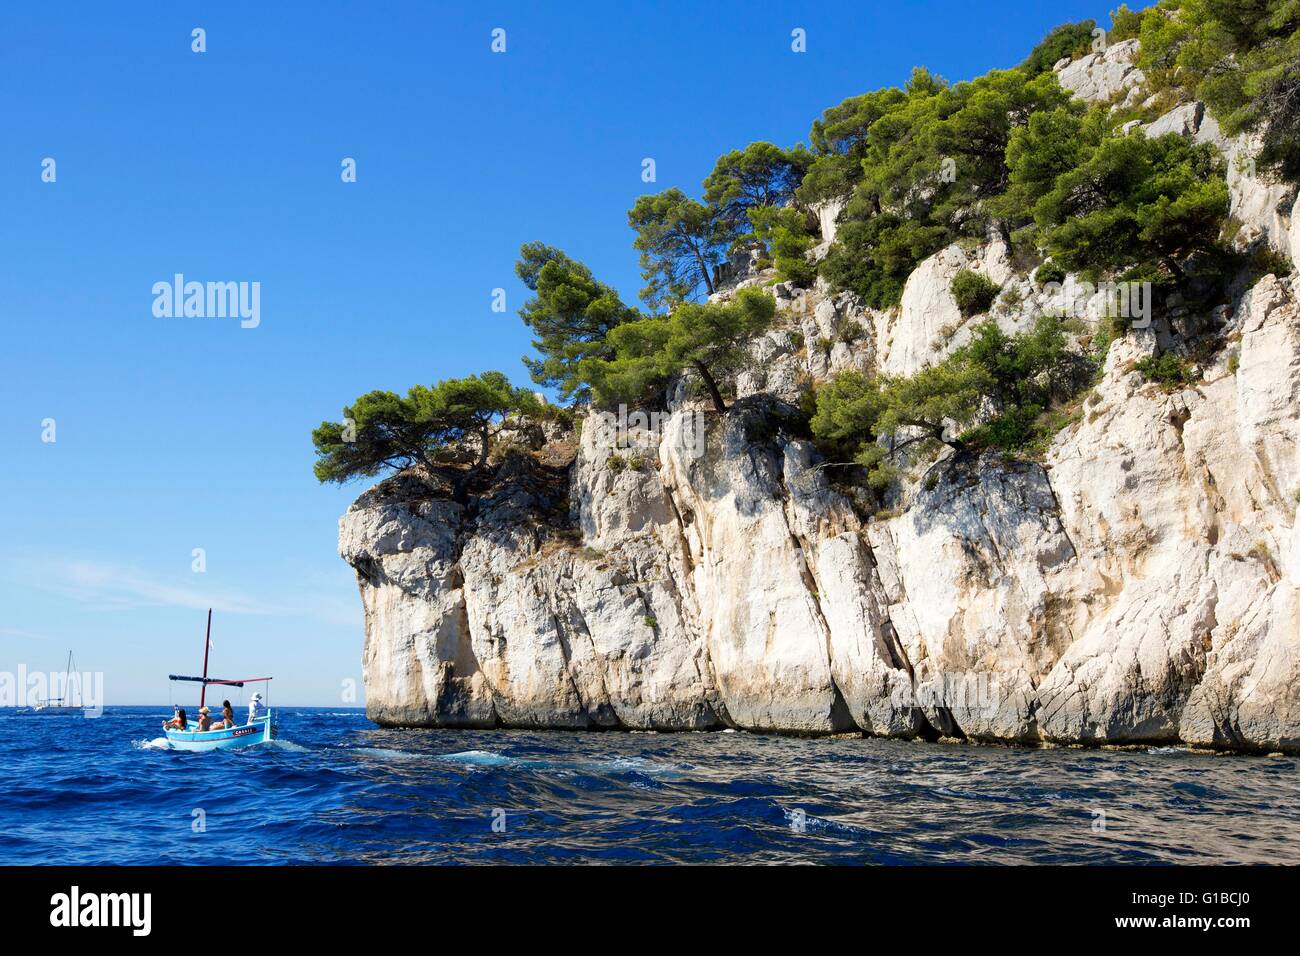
{"x":1142,"y":585}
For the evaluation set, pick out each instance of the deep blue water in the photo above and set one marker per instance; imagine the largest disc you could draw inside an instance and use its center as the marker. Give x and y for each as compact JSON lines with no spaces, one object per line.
{"x":337,"y":789}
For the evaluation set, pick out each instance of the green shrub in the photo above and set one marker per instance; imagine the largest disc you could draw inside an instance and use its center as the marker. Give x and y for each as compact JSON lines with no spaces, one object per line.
{"x":849,"y":330}
{"x":1069,"y":39}
{"x":1111,"y":328}
{"x":1012,"y":429}
{"x":1266,"y":260}
{"x":616,"y":463}
{"x":710,"y":340}
{"x":874,"y":257}
{"x":1168,"y":370}
{"x":1125,"y":24}
{"x":1049,"y":272}
{"x":1016,"y":376}
{"x":785,"y":234}
{"x":1239,"y":59}
{"x":790,"y":250}
{"x":558,"y":414}
{"x":974,"y":292}
{"x":1164,"y":200}
{"x":1011,"y":299}
{"x":650,"y":621}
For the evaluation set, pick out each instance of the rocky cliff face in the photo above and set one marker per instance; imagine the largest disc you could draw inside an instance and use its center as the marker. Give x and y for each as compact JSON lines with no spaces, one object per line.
{"x":1139,"y":585}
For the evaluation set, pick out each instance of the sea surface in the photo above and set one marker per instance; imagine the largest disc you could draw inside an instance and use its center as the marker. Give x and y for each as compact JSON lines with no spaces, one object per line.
{"x":335,"y":788}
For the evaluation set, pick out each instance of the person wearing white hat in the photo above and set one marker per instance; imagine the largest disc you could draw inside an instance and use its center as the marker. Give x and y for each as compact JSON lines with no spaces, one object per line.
{"x":256,"y":708}
{"x":205,"y":721}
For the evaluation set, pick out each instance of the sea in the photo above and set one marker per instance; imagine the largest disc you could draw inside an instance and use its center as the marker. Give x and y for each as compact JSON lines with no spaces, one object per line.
{"x":337,"y":789}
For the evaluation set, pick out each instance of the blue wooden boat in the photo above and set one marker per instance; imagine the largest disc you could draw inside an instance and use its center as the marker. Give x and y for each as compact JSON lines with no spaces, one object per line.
{"x":259,"y":731}
{"x":259,"y":728}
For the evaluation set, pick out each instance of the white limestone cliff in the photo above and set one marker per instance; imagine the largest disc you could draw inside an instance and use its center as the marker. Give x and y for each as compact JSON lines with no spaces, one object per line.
{"x":1101,"y":76}
{"x":1139,"y":585}
{"x":1143,"y":585}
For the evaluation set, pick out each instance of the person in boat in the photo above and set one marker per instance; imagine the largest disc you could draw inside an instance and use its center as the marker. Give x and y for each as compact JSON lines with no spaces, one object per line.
{"x":205,"y":721}
{"x":227,"y":717}
{"x":256,"y":708}
{"x":178,"y":722}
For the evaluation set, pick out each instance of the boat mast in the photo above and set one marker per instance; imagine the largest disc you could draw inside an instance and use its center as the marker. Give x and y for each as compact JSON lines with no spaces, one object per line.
{"x":207,"y":644}
{"x":67,"y":679}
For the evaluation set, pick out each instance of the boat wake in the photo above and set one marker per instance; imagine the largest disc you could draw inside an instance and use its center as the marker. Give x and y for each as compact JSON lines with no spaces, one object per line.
{"x":289,"y":745}
{"x":158,"y":743}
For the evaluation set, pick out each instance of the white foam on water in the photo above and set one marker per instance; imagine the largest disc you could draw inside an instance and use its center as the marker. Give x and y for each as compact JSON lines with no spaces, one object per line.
{"x":637,"y":764}
{"x":478,"y":758}
{"x":811,"y":822}
{"x":158,"y":743}
{"x":283,"y":745}
{"x":488,"y":758}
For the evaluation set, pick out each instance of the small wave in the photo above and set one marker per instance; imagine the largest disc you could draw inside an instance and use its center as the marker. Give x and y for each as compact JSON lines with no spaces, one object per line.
{"x":478,"y":758}
{"x":635,"y":765}
{"x":289,"y":745}
{"x":158,"y":743}
{"x":810,"y":822}
{"x":1167,"y":750}
{"x":386,"y":752}
{"x":487,"y":758}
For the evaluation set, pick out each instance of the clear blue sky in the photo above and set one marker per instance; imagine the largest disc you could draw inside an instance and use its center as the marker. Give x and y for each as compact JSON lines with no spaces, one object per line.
{"x":174,"y":433}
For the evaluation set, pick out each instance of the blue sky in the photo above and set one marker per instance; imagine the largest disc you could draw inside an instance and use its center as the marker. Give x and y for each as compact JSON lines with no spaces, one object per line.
{"x":174,"y":434}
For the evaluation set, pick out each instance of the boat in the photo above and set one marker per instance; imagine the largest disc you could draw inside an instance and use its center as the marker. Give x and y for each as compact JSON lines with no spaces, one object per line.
{"x":259,"y":728}
{"x":57,"y":706}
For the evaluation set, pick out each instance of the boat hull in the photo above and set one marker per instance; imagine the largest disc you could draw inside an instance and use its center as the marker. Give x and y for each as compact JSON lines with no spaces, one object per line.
{"x":260,"y":731}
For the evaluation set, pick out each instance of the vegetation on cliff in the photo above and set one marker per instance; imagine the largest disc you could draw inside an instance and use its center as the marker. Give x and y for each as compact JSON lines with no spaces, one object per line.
{"x":447,"y":429}
{"x":1003,"y":382}
{"x":1240,"y":57}
{"x":917,"y":168}
{"x":709,"y":339}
